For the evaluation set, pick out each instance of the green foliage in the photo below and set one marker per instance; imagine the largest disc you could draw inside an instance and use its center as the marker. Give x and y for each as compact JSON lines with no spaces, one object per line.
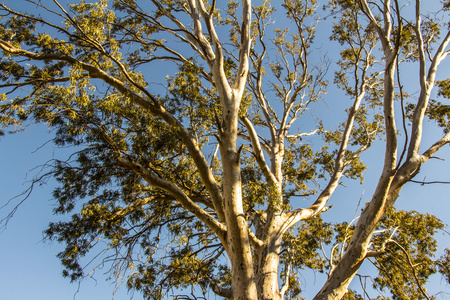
{"x":302,"y":247}
{"x":106,"y":124}
{"x":437,"y":110}
{"x":351,"y":295}
{"x":404,"y":247}
{"x":196,"y":103}
{"x":410,"y":246}
{"x":148,"y":234}
{"x":299,"y":170}
{"x":443,"y":264}
{"x":304,"y":241}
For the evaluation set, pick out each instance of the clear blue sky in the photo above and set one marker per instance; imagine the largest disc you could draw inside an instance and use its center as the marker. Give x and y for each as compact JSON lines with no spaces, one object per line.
{"x":29,"y":268}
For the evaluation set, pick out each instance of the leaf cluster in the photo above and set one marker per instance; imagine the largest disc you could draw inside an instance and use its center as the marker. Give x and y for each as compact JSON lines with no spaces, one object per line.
{"x":408,"y":263}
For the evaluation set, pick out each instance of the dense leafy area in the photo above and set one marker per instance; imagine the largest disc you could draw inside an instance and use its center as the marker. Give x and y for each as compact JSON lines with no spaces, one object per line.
{"x":149,"y":235}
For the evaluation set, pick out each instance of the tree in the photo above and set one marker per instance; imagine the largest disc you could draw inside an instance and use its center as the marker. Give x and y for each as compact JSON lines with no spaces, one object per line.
{"x":196,"y":184}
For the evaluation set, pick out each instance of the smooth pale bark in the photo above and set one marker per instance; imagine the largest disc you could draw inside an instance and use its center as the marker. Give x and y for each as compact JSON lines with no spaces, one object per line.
{"x":239,"y":247}
{"x":238,"y":242}
{"x":267,"y":262}
{"x":343,"y":273}
{"x":254,"y":256}
{"x":392,"y":178}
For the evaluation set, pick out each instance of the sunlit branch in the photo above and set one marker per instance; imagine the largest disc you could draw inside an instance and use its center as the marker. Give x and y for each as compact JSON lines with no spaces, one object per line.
{"x":301,"y":135}
{"x":244,"y":48}
{"x":426,"y":84}
{"x":257,"y":151}
{"x":154,"y":107}
{"x":382,"y":33}
{"x":176,"y":192}
{"x":287,"y":275}
{"x":430,"y":182}
{"x":301,"y":214}
{"x":411,"y":167}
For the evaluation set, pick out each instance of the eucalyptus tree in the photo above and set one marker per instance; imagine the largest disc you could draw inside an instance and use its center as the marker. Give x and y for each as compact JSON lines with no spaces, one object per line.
{"x":196,"y":183}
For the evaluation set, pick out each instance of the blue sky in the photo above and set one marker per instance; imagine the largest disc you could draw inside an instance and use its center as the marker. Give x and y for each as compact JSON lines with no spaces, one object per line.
{"x":29,"y":268}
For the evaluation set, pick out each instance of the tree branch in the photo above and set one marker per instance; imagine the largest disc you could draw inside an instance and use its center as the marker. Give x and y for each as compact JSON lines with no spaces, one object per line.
{"x":301,"y":214}
{"x":426,"y":85}
{"x":244,"y":49}
{"x":176,"y":192}
{"x":154,"y":107}
{"x":257,"y":151}
{"x":408,"y":257}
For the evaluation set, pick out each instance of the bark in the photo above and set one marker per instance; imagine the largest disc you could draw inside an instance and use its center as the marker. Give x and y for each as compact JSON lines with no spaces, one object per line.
{"x":267,"y":262}
{"x":392,"y":179}
{"x":254,"y":257}
{"x":238,"y":242}
{"x":341,"y":276}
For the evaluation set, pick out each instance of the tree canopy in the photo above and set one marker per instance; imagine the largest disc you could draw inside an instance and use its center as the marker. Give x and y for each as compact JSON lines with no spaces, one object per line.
{"x":203,"y":150}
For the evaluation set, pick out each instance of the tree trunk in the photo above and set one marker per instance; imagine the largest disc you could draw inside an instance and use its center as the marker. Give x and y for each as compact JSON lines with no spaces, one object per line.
{"x":267,"y":263}
{"x":238,"y":242}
